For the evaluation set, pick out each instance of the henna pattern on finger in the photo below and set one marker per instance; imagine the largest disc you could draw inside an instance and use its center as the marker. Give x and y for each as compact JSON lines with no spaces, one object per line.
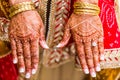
{"x":89,"y":33}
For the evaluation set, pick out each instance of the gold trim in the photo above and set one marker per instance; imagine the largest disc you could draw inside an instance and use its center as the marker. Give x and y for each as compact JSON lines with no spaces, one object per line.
{"x":111,"y":62}
{"x":4,"y":48}
{"x":51,"y":41}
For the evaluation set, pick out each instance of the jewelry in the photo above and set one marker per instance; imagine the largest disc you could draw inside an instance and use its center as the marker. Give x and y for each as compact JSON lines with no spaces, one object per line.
{"x":86,"y":8}
{"x":86,"y":11}
{"x":94,"y":44}
{"x":21,"y":7}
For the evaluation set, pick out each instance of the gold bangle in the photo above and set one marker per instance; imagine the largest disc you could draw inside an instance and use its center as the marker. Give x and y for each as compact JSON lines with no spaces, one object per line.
{"x":86,"y":8}
{"x":21,"y":7}
{"x":83,"y":12}
{"x":85,"y":5}
{"x":86,"y":11}
{"x":97,"y":11}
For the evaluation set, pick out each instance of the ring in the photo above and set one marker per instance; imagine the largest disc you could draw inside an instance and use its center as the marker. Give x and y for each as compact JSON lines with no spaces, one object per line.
{"x":94,"y":44}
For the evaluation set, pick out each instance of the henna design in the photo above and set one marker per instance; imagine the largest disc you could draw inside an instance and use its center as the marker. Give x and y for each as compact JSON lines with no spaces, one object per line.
{"x":25,"y":32}
{"x":84,"y":34}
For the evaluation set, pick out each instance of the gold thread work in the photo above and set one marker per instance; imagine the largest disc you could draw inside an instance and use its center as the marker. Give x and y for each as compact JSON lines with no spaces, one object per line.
{"x":21,"y":7}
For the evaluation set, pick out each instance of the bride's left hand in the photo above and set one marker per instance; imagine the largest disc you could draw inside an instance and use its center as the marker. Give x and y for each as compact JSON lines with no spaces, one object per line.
{"x":87,"y":32}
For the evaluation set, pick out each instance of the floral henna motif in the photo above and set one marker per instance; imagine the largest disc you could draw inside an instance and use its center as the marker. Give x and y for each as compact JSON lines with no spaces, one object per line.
{"x":87,"y":33}
{"x":25,"y":32}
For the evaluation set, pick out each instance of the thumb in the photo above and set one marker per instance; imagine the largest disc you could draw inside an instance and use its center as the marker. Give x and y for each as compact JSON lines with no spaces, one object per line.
{"x":66,"y":37}
{"x":42,"y":38}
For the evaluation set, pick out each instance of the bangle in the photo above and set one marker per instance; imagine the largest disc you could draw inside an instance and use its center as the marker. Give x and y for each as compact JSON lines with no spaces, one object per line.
{"x":21,"y":7}
{"x":86,"y":8}
{"x":85,"y":5}
{"x":86,"y":11}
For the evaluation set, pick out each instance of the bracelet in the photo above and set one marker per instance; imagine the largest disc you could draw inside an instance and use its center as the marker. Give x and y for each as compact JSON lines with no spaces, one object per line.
{"x":86,"y":11}
{"x":21,"y":7}
{"x":86,"y":8}
{"x":85,"y":5}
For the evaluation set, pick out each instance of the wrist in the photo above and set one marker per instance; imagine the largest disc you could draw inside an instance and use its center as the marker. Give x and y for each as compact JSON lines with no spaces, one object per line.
{"x":13,"y":2}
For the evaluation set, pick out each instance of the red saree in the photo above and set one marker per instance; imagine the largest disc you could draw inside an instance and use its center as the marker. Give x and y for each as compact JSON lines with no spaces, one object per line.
{"x":108,"y":18}
{"x":7,"y":69}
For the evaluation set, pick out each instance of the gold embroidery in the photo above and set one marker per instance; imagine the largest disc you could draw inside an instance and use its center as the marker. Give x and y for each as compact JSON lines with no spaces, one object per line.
{"x":4,"y":48}
{"x":107,"y":74}
{"x":2,"y":4}
{"x":52,"y":41}
{"x":4,"y":24}
{"x":112,"y":59}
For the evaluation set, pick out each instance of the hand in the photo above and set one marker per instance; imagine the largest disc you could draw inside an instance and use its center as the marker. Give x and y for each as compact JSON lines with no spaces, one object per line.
{"x":25,"y":32}
{"x":87,"y":33}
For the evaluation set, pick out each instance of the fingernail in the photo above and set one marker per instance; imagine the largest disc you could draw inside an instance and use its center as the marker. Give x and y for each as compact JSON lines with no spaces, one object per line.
{"x":22,"y":70}
{"x":86,"y":71}
{"x":33,"y":71}
{"x":15,"y":61}
{"x":59,"y":45}
{"x":98,"y":68}
{"x":44,"y":45}
{"x":93,"y":74}
{"x":27,"y":75}
{"x":102,"y":57}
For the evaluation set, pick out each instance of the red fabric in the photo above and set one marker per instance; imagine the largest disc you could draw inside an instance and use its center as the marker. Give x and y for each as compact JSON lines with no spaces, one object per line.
{"x":8,"y":70}
{"x":108,"y":18}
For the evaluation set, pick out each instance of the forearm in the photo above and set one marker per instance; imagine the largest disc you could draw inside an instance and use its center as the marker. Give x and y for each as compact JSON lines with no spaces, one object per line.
{"x":88,"y":1}
{"x":12,"y":2}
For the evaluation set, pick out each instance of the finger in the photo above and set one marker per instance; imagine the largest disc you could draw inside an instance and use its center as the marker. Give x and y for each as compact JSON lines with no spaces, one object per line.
{"x":34,"y":55}
{"x":14,"y":53}
{"x":42,"y":37}
{"x":101,"y":48}
{"x":66,"y":36}
{"x":21,"y":64}
{"x":96,"y":55}
{"x":89,"y":58}
{"x":81,"y":54}
{"x":27,"y":58}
